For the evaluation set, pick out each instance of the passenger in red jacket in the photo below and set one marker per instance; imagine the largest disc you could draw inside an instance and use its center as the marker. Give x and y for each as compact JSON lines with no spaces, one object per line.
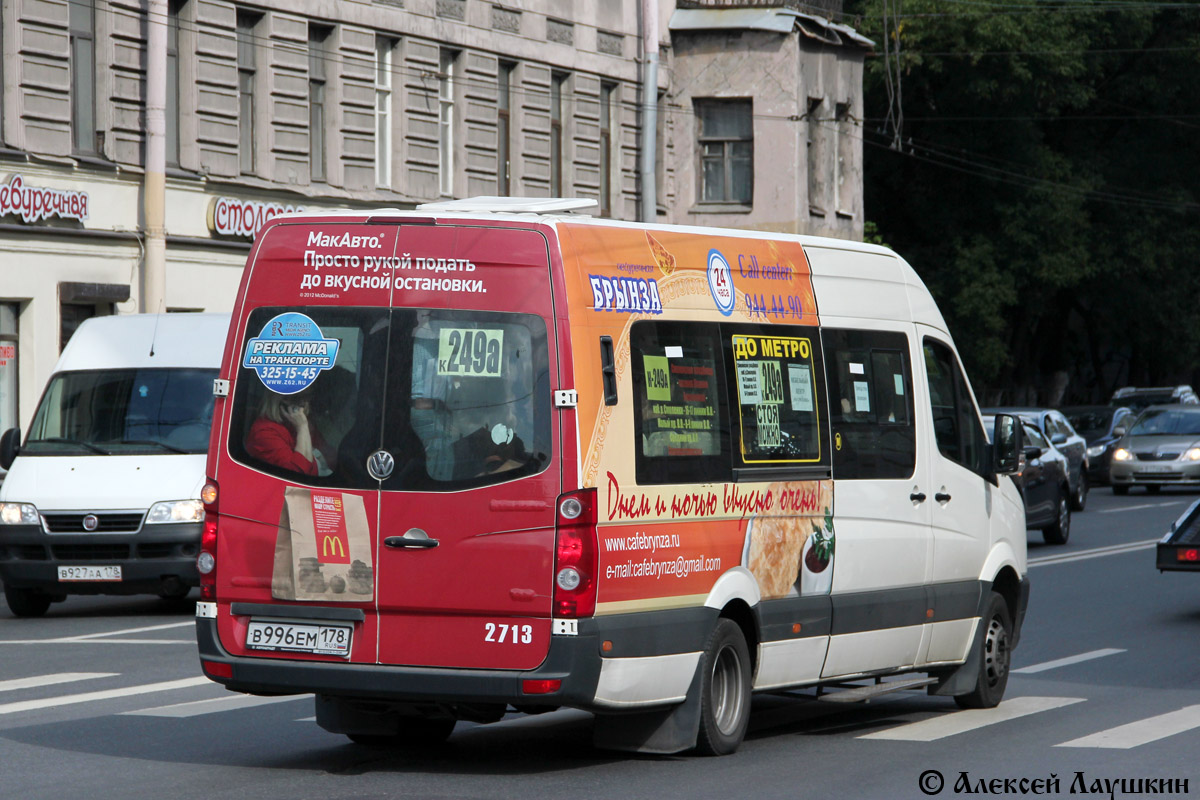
{"x":283,"y":435}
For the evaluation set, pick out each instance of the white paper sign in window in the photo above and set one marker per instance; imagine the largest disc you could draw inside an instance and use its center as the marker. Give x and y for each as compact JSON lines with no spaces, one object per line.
{"x":800,"y":383}
{"x":862,"y":396}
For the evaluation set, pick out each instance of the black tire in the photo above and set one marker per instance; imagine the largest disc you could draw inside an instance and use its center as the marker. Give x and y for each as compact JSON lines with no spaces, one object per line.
{"x":1119,"y":490}
{"x":414,"y":732}
{"x":1153,"y":488}
{"x":1079,"y":499}
{"x":994,"y":659}
{"x":26,"y":602}
{"x":724,"y":690}
{"x":1060,"y":531}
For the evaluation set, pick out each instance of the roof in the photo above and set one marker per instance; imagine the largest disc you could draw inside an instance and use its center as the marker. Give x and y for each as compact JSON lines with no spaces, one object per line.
{"x":132,"y":341}
{"x":778,"y":20}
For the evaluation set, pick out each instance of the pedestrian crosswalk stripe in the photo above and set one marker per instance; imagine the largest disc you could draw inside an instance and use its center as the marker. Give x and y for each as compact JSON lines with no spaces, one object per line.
{"x":213,"y":705}
{"x":1141,"y":732}
{"x":51,"y":680}
{"x":939,"y":727}
{"x":88,"y":697}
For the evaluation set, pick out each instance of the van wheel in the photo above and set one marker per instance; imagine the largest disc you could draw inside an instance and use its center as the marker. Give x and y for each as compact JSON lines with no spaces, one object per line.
{"x":414,"y":732}
{"x":26,"y":602}
{"x":1120,"y":490}
{"x":724,"y":690}
{"x":994,"y":660}
{"x":1079,"y":499}
{"x":1060,"y":531}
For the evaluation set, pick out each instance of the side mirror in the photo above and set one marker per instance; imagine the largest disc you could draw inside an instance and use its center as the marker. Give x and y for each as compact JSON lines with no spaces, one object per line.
{"x":1058,"y":438}
{"x":1032,"y":451}
{"x":1119,"y":431}
{"x":10,"y":445}
{"x":1006,"y":445}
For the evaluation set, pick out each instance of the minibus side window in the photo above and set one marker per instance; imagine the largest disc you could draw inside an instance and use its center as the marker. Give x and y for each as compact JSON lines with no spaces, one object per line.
{"x":956,"y":423}
{"x":776,"y":388}
{"x":871,"y":412}
{"x":681,"y":424}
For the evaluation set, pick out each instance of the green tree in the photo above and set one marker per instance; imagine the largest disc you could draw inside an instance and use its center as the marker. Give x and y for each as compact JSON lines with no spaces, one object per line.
{"x":1035,"y":163}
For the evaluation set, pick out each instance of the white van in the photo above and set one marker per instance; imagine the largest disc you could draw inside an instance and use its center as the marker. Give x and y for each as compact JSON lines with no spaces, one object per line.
{"x":471,"y":460}
{"x":103,"y":496}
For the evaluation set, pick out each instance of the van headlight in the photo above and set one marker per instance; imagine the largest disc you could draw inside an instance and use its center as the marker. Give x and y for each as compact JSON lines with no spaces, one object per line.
{"x":19,"y":514}
{"x":175,"y":511}
{"x":1121,"y":454}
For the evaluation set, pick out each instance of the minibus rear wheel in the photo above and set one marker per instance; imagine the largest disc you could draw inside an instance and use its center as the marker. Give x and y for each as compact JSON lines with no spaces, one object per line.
{"x":724,"y":690}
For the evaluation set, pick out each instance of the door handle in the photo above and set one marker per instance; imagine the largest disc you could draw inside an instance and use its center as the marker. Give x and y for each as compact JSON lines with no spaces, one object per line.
{"x":413,"y":539}
{"x":942,"y":497}
{"x":917,"y":497}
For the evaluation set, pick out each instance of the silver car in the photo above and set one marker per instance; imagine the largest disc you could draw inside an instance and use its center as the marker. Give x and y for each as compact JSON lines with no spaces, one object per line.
{"x":1161,"y":449}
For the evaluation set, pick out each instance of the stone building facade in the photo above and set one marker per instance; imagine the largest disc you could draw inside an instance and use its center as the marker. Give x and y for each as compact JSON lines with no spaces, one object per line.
{"x":315,"y":104}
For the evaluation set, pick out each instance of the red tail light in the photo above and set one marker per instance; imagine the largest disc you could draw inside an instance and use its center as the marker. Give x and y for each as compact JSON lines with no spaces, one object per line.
{"x":1190,"y":554}
{"x":206,"y":561}
{"x":575,"y":553}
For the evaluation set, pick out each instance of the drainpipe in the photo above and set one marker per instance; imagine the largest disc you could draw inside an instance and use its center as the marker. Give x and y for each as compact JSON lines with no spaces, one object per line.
{"x":154,"y":191}
{"x":649,"y":109}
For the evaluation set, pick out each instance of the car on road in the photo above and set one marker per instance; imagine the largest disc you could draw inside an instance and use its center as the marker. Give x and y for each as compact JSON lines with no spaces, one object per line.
{"x":1057,"y":429}
{"x":1102,"y":426}
{"x":1139,"y":397}
{"x":1043,"y":485}
{"x":1161,"y":449}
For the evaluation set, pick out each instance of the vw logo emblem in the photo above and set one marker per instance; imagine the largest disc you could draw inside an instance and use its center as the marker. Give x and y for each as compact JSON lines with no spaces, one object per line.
{"x":380,"y":464}
{"x":91,"y":522}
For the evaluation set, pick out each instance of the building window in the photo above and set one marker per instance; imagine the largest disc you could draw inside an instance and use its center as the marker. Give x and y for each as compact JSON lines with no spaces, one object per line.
{"x":558,"y":81}
{"x":608,"y":91}
{"x":9,"y":348}
{"x":246,"y":22}
{"x":844,"y":182}
{"x":449,"y":63}
{"x":173,"y":9}
{"x":82,"y":21}
{"x":725,"y":139}
{"x":504,"y":128}
{"x":383,"y":111}
{"x":816,"y":158}
{"x":318,"y":38}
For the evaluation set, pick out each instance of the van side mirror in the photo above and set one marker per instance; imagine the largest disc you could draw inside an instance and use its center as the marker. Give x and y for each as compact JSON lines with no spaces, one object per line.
{"x":10,"y":445}
{"x":1006,"y":445}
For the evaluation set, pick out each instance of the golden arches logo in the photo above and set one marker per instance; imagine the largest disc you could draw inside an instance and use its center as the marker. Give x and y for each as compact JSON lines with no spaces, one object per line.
{"x":333,"y":545}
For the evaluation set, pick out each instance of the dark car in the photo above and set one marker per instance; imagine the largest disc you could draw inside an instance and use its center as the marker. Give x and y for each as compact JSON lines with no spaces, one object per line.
{"x":1057,"y":430}
{"x":1043,"y":485}
{"x":1102,"y":426}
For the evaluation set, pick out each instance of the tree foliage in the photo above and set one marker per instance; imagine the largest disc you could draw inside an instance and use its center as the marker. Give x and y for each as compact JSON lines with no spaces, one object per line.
{"x":1037,"y":164}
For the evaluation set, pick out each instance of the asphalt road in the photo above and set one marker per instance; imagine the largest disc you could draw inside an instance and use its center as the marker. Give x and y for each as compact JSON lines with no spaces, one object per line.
{"x":103,"y":698}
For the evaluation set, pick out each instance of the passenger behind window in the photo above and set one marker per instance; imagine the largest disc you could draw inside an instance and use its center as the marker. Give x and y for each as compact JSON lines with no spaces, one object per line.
{"x":283,"y":435}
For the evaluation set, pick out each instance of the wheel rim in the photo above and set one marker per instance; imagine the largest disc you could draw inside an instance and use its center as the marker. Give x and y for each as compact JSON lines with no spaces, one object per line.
{"x":995,"y":654}
{"x":726,"y":693}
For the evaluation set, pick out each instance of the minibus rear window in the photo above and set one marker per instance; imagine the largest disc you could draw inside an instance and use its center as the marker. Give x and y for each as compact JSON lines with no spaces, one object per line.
{"x":458,"y":399}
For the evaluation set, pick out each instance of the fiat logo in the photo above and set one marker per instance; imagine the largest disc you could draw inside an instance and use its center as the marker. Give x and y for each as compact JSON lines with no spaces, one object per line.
{"x":91,"y":522}
{"x":380,"y":464}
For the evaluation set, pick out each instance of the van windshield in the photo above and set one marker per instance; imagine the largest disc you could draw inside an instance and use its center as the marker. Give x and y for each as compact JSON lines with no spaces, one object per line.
{"x":124,"y":412}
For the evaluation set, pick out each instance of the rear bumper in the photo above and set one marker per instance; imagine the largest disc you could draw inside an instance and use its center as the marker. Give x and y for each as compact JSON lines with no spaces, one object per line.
{"x":575,"y":660}
{"x":155,"y":559}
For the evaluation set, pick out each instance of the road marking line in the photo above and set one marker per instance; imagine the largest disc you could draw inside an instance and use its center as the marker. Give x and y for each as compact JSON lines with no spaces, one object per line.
{"x":50,"y":680}
{"x":928,"y":730}
{"x":1141,"y":732}
{"x":1097,"y":552}
{"x":88,"y":697}
{"x":212,"y":706}
{"x":1062,"y":662}
{"x":131,"y":630}
{"x":1138,"y":508}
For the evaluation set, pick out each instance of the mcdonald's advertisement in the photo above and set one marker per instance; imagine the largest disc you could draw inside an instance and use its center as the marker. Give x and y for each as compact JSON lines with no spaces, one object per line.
{"x":323,"y":548}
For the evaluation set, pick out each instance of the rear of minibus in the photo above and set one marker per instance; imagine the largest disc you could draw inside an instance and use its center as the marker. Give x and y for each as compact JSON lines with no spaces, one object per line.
{"x":406,"y":552}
